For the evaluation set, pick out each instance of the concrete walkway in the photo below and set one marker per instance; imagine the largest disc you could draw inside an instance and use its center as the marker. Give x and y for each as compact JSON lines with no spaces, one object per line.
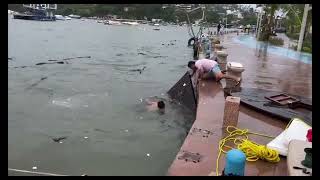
{"x":263,"y":71}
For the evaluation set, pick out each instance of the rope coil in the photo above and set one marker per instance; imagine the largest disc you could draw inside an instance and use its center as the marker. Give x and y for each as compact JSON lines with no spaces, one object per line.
{"x":252,"y":150}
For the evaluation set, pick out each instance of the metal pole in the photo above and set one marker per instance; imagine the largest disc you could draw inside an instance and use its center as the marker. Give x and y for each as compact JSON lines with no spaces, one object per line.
{"x":259,"y":29}
{"x":303,"y":26}
{"x":226,"y":20}
{"x":257,"y":24}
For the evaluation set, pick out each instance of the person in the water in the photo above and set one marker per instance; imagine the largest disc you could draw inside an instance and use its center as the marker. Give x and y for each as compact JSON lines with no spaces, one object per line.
{"x":209,"y":69}
{"x":155,"y":105}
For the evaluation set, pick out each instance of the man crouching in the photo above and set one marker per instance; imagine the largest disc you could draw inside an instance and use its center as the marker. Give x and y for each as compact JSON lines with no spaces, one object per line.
{"x":209,"y":69}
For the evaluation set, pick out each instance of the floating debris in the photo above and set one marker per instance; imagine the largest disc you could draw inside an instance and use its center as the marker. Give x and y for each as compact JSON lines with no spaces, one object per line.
{"x":184,"y":84}
{"x":20,"y":67}
{"x":126,"y":130}
{"x":36,"y":83}
{"x":139,"y":70}
{"x":148,"y":155}
{"x":85,"y":137}
{"x":42,"y":63}
{"x":77,"y":57}
{"x":58,"y":139}
{"x":142,"y":54}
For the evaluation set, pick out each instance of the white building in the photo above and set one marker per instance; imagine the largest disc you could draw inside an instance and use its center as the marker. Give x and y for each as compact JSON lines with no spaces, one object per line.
{"x":41,"y":6}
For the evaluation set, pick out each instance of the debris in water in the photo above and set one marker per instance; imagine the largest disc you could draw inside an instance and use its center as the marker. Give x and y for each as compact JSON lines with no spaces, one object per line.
{"x":34,"y":168}
{"x":60,"y":142}
{"x":58,"y":139}
{"x":77,"y":57}
{"x":142,"y":54}
{"x":184,"y":84}
{"x":126,"y":130}
{"x":148,"y":155}
{"x":86,"y":137}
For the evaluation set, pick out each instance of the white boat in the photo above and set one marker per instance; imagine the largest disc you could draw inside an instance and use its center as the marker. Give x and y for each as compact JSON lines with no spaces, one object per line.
{"x":68,"y":18}
{"x":109,"y":22}
{"x":60,"y":17}
{"x":131,"y":23}
{"x":74,"y":16}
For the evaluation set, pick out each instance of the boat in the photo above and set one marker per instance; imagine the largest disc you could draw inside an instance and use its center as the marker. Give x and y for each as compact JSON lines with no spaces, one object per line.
{"x":38,"y":12}
{"x":74,"y":16}
{"x":68,"y":18}
{"x":60,"y":17}
{"x":131,"y":23}
{"x":100,"y":21}
{"x":110,"y":22}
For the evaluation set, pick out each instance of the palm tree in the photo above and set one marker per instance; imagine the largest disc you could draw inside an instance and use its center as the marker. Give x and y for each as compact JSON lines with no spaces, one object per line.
{"x":267,"y":22}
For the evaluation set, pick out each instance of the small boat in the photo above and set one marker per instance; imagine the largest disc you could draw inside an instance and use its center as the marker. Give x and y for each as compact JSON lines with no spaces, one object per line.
{"x":68,"y":18}
{"x":131,"y":23}
{"x":60,"y":17}
{"x":74,"y":16}
{"x":109,"y":22}
{"x":100,"y":21}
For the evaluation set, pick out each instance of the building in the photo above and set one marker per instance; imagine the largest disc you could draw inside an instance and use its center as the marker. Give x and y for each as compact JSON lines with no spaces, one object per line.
{"x":41,"y":6}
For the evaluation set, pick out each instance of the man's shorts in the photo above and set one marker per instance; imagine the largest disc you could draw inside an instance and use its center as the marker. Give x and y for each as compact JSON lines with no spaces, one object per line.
{"x":216,"y":69}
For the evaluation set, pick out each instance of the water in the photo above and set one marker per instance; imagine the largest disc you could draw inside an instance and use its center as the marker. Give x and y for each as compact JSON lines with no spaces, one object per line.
{"x":97,"y":97}
{"x":251,"y":42}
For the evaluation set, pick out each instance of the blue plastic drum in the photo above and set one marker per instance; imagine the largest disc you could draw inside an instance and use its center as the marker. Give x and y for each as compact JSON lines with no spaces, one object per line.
{"x":235,"y":163}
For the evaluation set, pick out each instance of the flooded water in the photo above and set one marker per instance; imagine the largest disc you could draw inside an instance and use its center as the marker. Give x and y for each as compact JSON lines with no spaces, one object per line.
{"x":266,"y":69}
{"x":251,"y":42}
{"x":94,"y":102}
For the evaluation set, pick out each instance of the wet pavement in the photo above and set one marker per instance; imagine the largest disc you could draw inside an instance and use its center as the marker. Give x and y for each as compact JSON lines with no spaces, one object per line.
{"x":262,"y":70}
{"x":210,"y":118}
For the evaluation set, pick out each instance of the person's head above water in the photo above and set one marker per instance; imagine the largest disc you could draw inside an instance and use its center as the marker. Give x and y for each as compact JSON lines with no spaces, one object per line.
{"x":161,"y":105}
{"x":192,"y":65}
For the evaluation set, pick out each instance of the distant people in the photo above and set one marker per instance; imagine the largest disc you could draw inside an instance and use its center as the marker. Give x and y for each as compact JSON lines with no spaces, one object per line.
{"x":218,"y":28}
{"x":209,"y":69}
{"x":155,"y":105}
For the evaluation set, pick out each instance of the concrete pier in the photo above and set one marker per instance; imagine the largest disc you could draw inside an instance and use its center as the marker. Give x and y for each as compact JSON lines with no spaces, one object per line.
{"x":204,"y":136}
{"x":199,"y":152}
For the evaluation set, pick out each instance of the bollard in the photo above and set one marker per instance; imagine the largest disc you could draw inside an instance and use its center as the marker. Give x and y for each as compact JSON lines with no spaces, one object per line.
{"x":222,"y":60}
{"x":231,"y":111}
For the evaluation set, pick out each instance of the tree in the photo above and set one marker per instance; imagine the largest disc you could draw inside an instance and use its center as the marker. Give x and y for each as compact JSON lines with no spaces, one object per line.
{"x":267,"y":23}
